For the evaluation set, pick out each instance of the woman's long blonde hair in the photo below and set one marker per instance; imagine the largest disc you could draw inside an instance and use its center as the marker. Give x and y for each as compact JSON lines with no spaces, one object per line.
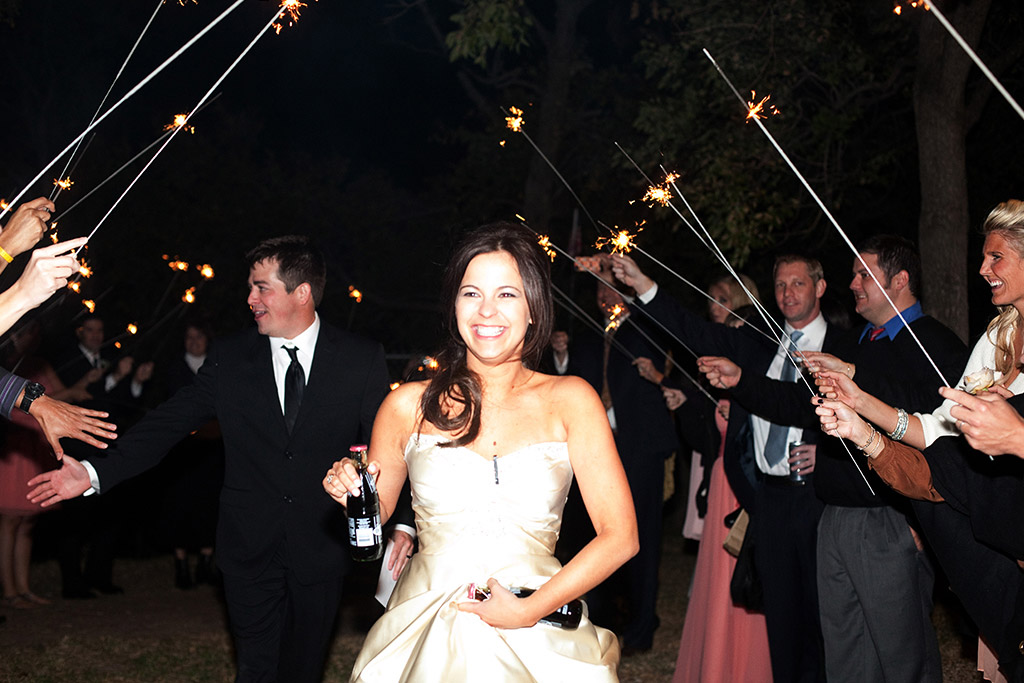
{"x":1007,"y":221}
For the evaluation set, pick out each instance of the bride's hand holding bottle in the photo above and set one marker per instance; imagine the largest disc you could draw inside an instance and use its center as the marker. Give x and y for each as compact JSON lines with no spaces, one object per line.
{"x":342,"y":479}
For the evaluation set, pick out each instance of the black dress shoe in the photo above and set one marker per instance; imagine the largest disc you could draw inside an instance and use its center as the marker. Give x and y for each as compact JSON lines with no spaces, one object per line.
{"x":182,"y":579}
{"x":79,"y":593}
{"x":206,"y":571}
{"x":108,"y":588}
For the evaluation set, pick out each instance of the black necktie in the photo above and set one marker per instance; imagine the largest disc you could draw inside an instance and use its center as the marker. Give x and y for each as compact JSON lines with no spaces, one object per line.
{"x":294,"y":383}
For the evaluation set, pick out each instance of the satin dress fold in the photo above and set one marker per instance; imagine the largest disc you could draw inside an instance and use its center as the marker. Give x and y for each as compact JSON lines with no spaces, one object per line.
{"x":478,"y":518}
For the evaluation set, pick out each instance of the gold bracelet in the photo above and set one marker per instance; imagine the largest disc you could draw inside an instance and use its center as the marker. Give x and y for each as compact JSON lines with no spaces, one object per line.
{"x":5,"y":256}
{"x":867,"y":444}
{"x":878,"y":448}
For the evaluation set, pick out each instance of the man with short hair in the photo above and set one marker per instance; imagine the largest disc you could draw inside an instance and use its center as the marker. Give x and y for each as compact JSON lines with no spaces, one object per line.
{"x":874,"y":581}
{"x":291,"y":396}
{"x":757,"y":457}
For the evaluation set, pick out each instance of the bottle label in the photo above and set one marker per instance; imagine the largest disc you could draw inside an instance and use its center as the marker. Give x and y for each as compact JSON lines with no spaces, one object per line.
{"x":364,"y":532}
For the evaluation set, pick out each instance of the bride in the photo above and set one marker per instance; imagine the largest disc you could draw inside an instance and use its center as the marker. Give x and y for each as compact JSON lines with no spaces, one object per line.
{"x":490,"y":447}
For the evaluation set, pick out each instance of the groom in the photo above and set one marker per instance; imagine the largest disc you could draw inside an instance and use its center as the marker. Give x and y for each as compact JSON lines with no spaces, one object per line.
{"x":291,"y":397}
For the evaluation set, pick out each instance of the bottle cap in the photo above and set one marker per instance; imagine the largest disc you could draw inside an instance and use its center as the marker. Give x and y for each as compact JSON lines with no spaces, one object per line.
{"x":358,"y":448}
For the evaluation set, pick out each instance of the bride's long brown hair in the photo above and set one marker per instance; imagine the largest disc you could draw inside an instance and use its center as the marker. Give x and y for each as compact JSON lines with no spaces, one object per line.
{"x":451,"y":402}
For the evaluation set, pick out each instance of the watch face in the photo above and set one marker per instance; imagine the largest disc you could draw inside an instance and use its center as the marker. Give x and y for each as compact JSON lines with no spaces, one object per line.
{"x":34,"y":390}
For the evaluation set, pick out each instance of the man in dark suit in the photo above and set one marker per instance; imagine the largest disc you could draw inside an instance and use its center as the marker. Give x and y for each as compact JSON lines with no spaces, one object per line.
{"x":645,"y":437}
{"x":291,"y":397}
{"x":783,"y":513}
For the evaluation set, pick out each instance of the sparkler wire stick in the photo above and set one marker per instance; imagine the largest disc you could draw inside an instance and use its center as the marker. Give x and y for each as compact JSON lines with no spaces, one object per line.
{"x":277,"y":14}
{"x":126,"y":164}
{"x":757,"y":304}
{"x":975,"y":58}
{"x":543,"y":156}
{"x":138,"y":86}
{"x":830,"y":217}
{"x":131,"y":52}
{"x":587,"y":319}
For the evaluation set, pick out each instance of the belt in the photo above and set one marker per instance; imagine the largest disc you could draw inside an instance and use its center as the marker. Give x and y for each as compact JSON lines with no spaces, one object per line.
{"x":781,"y":482}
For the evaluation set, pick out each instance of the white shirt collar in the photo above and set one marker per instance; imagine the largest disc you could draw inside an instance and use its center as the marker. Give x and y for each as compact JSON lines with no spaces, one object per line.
{"x":305,"y":341}
{"x":814,"y":333}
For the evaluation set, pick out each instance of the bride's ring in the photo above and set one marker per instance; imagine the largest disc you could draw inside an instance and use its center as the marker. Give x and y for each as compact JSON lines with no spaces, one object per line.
{"x":330,"y":477}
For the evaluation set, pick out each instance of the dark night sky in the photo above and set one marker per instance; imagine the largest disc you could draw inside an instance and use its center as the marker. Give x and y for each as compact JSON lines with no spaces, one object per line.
{"x":341,"y":94}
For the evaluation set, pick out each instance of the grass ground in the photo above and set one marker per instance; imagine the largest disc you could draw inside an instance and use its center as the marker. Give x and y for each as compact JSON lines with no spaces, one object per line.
{"x":155,"y":632}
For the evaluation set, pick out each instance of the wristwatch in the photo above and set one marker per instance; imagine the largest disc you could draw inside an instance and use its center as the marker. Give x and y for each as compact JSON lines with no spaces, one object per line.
{"x":33,"y":390}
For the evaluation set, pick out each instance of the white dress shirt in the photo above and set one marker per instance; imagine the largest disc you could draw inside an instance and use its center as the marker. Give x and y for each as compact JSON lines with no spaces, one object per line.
{"x":812,"y":339}
{"x":305,"y":342}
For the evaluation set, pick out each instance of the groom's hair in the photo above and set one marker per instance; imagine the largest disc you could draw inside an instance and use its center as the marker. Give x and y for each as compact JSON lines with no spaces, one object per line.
{"x":297,"y":260}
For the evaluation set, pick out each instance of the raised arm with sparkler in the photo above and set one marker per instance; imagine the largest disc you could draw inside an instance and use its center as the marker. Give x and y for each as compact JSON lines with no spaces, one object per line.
{"x":24,"y":229}
{"x":47,"y":271}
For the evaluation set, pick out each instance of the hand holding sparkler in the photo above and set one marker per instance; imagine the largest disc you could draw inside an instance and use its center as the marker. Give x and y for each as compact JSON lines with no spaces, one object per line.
{"x":628,"y":272}
{"x":838,"y":419}
{"x":721,"y":372}
{"x":645,"y":366}
{"x":47,"y":271}
{"x":837,"y":386}
{"x":673,"y":397}
{"x":25,"y":228}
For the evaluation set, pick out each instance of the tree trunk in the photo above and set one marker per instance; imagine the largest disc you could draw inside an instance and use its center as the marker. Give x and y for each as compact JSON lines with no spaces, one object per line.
{"x":940,"y":112}
{"x":542,"y":185}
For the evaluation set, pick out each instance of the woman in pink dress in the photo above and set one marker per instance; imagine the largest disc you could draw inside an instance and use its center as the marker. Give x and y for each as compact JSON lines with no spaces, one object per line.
{"x":720,"y":642}
{"x":25,"y":454}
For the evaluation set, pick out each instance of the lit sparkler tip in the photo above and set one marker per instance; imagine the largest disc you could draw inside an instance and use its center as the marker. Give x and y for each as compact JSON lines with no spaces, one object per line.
{"x":75,"y":286}
{"x":206,"y":270}
{"x":178,"y":265}
{"x":180,"y":121}
{"x":89,"y":304}
{"x":395,"y":385}
{"x":185,"y":2}
{"x":117,"y":345}
{"x":190,"y":295}
{"x":430,"y":363}
{"x":615,"y":317}
{"x":291,"y":8}
{"x":354,"y":293}
{"x":501,"y":143}
{"x":53,"y":237}
{"x":897,"y":8}
{"x":4,"y":205}
{"x":515,"y":122}
{"x":759,"y":110}
{"x":84,"y":270}
{"x":132,"y":328}
{"x":545,"y":243}
{"x":63,"y":184}
{"x":662,"y":194}
{"x":621,"y":242}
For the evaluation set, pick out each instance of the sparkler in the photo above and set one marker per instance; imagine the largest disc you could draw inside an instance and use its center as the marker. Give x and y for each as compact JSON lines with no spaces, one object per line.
{"x":84,"y":270}
{"x":290,"y":8}
{"x":123,"y":166}
{"x":937,"y":13}
{"x":189,"y":296}
{"x":131,"y":52}
{"x":661,"y":193}
{"x":4,"y":205}
{"x":181,"y":266}
{"x":131,"y":93}
{"x":206,"y":270}
{"x":75,"y":287}
{"x":831,"y":218}
{"x":354,"y":293}
{"x":430,"y":363}
{"x":621,"y":241}
{"x":277,"y":14}
{"x":545,"y":244}
{"x":757,"y":111}
{"x":180,"y":121}
{"x":515,"y":123}
{"x":89,"y":304}
{"x":63,"y":184}
{"x":132,"y":328}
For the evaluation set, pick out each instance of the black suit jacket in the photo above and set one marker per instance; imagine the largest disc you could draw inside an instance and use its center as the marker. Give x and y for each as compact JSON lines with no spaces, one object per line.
{"x":272,"y":500}
{"x":753,"y":352}
{"x":644,"y":423}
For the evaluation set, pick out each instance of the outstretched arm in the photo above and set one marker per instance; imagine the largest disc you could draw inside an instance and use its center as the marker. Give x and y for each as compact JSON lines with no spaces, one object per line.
{"x":70,"y":481}
{"x":24,"y":228}
{"x":59,"y":420}
{"x":47,"y":271}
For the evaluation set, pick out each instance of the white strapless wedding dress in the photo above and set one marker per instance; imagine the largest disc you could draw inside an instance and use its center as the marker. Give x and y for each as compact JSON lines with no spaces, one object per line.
{"x":479,"y":518}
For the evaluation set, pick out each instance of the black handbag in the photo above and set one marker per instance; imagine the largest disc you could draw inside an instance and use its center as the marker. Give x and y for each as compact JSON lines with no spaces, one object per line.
{"x":745,"y":587}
